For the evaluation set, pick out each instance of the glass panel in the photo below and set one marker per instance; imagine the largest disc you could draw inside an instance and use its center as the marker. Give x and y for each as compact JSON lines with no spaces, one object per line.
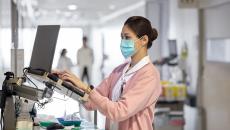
{"x":218,"y":50}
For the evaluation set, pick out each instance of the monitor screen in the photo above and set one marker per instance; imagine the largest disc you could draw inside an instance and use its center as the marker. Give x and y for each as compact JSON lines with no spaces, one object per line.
{"x":44,"y":47}
{"x":172,"y":48}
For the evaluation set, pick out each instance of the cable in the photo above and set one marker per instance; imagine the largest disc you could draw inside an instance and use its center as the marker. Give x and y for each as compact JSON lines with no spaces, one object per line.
{"x":29,"y":78}
{"x":41,"y":105}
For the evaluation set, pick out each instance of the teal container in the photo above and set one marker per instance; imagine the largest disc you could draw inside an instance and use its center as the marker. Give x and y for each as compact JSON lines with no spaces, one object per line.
{"x":70,"y":123}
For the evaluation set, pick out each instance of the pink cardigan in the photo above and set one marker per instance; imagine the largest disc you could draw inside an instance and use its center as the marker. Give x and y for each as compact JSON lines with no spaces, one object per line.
{"x":135,"y":109}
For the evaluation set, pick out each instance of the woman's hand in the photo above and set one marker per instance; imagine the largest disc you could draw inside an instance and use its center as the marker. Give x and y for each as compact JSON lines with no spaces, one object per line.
{"x":57,"y":73}
{"x":70,"y":77}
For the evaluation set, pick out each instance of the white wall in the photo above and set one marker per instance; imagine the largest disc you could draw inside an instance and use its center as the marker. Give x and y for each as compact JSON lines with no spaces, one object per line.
{"x":5,"y":46}
{"x":216,"y":78}
{"x":217,"y":21}
{"x":216,"y":97}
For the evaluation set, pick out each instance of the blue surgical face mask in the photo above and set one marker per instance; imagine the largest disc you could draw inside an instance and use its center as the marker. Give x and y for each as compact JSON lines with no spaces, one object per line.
{"x":127,"y":48}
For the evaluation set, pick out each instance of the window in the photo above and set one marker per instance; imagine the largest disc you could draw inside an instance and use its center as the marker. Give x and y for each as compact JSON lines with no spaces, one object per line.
{"x":218,"y":50}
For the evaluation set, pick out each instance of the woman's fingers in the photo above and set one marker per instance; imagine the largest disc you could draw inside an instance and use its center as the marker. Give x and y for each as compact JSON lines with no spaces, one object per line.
{"x":68,"y":72}
{"x":58,"y":72}
{"x":65,"y":77}
{"x":69,"y":77}
{"x":69,"y":80}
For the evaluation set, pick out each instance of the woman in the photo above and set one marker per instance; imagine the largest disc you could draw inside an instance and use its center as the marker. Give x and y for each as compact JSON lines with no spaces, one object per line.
{"x":128,"y":96}
{"x":64,"y":62}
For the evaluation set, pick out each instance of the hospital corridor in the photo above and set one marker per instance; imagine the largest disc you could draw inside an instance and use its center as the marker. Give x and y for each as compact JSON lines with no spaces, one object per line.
{"x":115,"y":64}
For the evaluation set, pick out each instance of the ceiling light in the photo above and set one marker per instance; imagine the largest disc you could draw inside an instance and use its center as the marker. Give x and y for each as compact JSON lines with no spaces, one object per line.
{"x":72,"y":7}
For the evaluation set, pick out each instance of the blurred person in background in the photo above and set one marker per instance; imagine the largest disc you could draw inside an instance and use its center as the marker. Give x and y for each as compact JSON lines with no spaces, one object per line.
{"x":85,"y":59}
{"x":64,"y":62}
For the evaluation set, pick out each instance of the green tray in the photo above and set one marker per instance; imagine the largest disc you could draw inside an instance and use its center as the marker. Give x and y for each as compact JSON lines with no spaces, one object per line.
{"x":45,"y":123}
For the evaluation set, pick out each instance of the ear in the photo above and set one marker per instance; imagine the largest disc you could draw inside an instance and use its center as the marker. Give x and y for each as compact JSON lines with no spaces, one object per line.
{"x":144,"y":40}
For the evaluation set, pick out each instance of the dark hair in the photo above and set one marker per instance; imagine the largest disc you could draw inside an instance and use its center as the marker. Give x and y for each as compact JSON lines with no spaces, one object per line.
{"x":63,"y":52}
{"x":85,"y":39}
{"x":142,"y":26}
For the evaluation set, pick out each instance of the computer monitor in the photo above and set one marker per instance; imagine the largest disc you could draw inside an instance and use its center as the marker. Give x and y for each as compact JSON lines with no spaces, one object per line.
{"x":44,"y":48}
{"x":42,"y":59}
{"x":172,"y":48}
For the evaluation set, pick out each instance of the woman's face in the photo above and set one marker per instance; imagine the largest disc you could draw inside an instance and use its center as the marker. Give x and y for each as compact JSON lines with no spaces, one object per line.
{"x":128,"y":34}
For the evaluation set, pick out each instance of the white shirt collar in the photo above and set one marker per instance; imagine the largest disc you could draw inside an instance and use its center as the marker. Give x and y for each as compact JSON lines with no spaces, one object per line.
{"x":138,"y":66}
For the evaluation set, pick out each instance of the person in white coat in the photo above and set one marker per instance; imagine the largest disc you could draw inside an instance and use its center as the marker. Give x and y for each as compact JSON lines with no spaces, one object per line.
{"x":85,"y":59}
{"x":64,"y":62}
